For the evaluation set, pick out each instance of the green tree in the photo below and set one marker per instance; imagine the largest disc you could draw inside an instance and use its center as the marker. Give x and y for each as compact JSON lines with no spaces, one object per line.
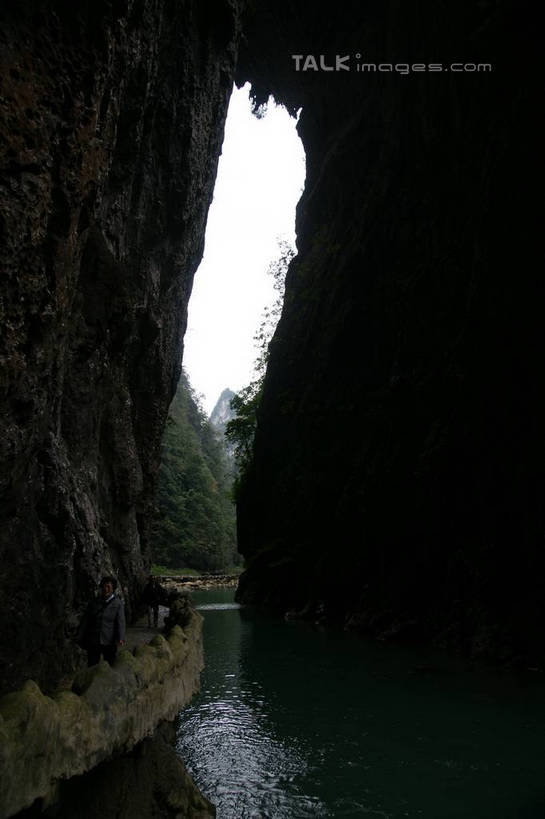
{"x":195,"y":521}
{"x":240,"y":431}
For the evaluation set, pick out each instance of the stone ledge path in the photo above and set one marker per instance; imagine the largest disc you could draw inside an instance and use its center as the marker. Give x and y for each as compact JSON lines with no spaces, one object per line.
{"x":140,"y":632}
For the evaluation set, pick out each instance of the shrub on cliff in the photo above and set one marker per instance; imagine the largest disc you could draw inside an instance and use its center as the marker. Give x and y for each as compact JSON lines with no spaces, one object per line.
{"x":240,"y":431}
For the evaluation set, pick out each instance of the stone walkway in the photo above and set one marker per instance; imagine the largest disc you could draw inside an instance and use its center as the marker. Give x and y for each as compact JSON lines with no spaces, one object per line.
{"x":140,"y":632}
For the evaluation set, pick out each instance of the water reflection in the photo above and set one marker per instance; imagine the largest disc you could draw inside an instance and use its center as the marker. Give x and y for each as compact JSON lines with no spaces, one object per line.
{"x":229,"y":736}
{"x":293,"y":722}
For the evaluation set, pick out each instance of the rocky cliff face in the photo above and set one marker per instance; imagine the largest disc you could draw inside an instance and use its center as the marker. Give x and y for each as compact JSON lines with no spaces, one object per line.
{"x":398,"y":456}
{"x":222,"y":412}
{"x":112,"y":121}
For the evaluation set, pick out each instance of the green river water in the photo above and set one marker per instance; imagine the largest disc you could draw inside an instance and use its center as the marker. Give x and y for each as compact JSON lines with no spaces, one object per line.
{"x":297,"y":722}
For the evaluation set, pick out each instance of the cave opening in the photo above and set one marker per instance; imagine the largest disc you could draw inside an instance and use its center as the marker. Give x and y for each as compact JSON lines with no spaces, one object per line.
{"x":234,"y":307}
{"x":260,"y":178}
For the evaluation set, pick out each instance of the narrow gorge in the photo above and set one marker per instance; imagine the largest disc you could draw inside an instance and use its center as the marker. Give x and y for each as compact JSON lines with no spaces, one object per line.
{"x":396,"y":486}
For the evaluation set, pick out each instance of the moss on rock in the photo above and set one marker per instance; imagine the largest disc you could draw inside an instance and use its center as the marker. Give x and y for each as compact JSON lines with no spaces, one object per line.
{"x":108,"y":711}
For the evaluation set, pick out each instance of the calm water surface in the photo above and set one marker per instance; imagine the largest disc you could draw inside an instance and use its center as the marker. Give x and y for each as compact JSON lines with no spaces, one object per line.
{"x":295,"y":722}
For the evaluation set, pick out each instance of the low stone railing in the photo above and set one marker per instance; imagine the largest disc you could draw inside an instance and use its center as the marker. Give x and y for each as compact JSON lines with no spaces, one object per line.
{"x":44,"y":740}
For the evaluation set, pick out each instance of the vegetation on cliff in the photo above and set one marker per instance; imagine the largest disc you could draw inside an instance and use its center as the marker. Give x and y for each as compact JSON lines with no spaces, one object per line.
{"x":240,"y":430}
{"x":195,"y":520}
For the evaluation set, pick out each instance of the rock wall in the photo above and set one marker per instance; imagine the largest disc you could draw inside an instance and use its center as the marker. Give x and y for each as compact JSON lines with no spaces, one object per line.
{"x":107,"y":713}
{"x":397,"y":483}
{"x":112,"y":117}
{"x":154,"y":781}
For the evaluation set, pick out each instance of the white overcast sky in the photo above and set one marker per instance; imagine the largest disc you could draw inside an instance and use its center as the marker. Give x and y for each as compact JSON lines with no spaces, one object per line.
{"x":260,"y":179}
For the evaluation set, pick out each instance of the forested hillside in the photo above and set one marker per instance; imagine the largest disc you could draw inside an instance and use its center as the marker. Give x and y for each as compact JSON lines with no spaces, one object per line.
{"x":195,"y":519}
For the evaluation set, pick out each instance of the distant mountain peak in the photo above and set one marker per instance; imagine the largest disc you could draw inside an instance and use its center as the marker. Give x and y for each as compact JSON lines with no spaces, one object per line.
{"x":222,"y":412}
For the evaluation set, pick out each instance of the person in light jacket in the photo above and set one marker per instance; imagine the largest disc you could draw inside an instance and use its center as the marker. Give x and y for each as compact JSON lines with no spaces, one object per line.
{"x":102,"y":629}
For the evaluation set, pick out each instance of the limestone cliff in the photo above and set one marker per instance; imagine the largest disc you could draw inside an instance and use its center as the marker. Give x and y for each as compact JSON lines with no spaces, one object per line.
{"x":397,"y":484}
{"x":112,"y":117}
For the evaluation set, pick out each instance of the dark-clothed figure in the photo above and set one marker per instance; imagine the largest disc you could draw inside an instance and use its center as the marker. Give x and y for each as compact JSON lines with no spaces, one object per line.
{"x":150,"y":597}
{"x":102,"y":629}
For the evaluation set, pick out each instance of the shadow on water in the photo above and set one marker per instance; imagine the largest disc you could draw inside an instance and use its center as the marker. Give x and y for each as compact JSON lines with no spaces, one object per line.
{"x":296,"y":722}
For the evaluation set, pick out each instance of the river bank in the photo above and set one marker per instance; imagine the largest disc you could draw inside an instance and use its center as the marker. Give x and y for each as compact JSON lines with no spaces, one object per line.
{"x":203,"y":582}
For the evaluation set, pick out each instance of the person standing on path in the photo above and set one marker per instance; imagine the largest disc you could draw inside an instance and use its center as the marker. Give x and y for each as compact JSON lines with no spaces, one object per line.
{"x":150,"y":596}
{"x":102,"y":629}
